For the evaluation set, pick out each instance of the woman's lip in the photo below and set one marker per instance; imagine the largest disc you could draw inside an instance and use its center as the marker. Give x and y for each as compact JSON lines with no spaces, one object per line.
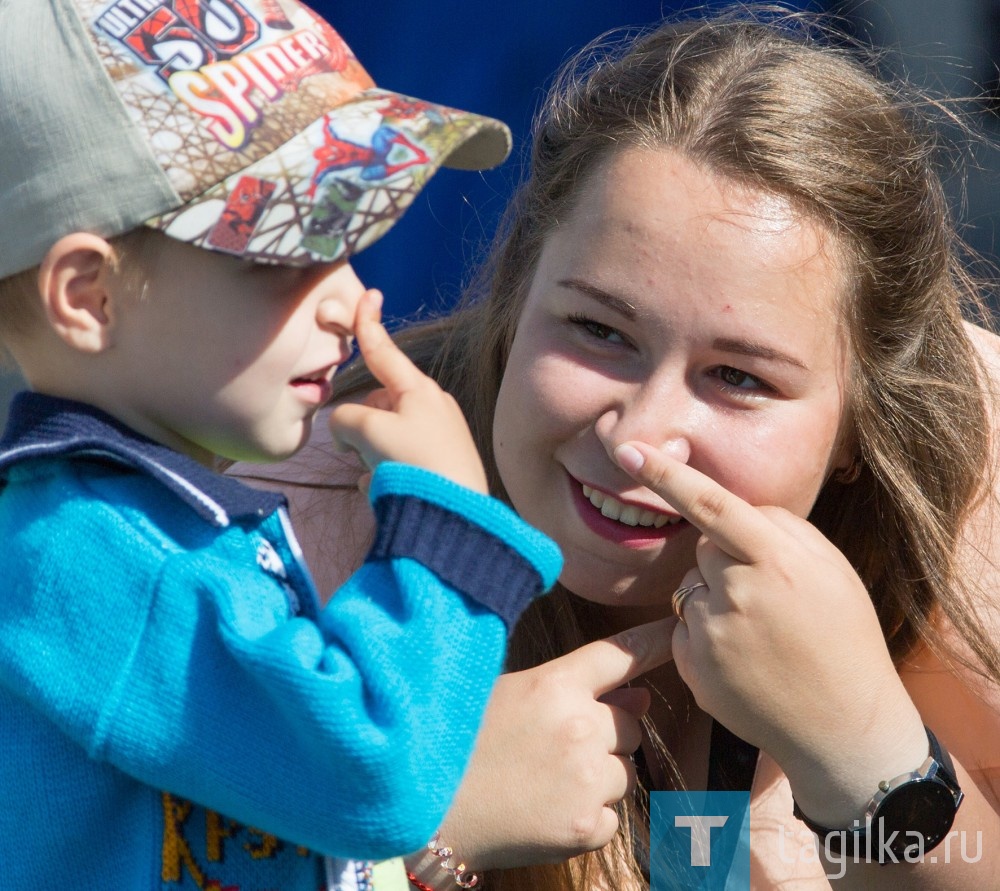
{"x":613,"y":530}
{"x":625,"y":501}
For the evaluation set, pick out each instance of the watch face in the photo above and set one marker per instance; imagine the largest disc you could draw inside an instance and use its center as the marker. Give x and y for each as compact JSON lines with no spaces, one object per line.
{"x":920,"y":812}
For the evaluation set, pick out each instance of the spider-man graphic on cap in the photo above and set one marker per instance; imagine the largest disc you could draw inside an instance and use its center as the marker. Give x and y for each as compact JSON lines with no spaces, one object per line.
{"x":373,"y":159}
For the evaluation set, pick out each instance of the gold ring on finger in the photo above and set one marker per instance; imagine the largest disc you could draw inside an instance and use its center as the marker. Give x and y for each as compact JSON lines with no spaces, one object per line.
{"x":681,"y":594}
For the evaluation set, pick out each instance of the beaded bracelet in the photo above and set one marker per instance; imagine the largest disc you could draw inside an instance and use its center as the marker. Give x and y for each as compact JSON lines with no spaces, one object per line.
{"x":420,"y":886}
{"x":445,"y":856}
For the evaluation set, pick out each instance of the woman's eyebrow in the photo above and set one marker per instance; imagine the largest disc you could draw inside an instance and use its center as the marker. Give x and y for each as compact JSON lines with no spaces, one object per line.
{"x":756,"y":350}
{"x":610,"y":300}
{"x":724,"y":344}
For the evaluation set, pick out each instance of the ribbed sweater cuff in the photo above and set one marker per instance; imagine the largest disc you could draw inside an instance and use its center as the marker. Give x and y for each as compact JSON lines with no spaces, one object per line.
{"x":473,"y":542}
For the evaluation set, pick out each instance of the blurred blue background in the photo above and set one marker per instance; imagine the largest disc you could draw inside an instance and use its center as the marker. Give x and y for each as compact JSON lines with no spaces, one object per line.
{"x":493,"y":58}
{"x":496,"y":58}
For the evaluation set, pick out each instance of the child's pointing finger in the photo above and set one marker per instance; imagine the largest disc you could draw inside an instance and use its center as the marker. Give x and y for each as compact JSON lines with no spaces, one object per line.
{"x":384,"y":359}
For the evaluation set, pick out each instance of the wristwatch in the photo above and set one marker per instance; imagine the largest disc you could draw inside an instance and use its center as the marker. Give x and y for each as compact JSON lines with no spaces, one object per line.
{"x":906,"y":817}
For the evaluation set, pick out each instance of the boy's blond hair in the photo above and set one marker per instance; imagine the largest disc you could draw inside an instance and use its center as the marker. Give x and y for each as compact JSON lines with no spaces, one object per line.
{"x":20,"y":309}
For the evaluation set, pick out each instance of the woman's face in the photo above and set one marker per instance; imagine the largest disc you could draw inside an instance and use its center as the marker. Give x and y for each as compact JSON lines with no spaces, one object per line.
{"x":675,"y":307}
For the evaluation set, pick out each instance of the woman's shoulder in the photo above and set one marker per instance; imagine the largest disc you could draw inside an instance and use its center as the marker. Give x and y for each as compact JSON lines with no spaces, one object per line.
{"x":943,"y":681}
{"x":959,"y":703}
{"x":987,"y":344}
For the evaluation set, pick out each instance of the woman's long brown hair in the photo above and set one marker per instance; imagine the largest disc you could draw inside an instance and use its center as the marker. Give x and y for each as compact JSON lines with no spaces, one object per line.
{"x":781,"y":103}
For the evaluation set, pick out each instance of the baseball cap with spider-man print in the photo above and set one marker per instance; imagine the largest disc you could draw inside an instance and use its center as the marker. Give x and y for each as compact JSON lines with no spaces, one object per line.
{"x":242,"y":126}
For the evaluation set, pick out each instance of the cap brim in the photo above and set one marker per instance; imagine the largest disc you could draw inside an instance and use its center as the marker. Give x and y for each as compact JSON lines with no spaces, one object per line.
{"x":340,"y":183}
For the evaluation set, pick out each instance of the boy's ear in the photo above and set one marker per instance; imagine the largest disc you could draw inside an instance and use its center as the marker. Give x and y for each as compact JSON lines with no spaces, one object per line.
{"x":74,"y":283}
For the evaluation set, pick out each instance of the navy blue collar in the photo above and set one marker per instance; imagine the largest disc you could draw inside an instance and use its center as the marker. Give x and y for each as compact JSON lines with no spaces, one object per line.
{"x":41,"y":426}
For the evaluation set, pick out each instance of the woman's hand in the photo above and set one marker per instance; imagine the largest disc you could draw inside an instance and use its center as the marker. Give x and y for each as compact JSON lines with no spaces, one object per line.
{"x":783,"y":646}
{"x":553,"y":754}
{"x":410,"y":419}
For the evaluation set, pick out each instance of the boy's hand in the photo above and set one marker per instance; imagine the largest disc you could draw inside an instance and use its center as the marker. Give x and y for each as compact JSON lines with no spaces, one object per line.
{"x":410,"y":419}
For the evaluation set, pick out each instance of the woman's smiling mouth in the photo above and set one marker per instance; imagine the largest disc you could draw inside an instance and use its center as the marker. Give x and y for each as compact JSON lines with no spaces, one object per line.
{"x":628,"y":514}
{"x":627,"y":525}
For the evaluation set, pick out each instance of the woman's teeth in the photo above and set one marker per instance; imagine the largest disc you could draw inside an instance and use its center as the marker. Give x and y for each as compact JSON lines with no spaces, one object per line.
{"x":628,"y":514}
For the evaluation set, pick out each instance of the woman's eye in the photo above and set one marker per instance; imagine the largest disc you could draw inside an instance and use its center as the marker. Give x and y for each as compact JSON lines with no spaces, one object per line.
{"x":596,"y":329}
{"x":740,"y":380}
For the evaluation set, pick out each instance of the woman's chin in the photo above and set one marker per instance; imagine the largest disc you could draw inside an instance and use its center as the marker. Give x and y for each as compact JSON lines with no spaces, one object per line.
{"x":625,"y":593}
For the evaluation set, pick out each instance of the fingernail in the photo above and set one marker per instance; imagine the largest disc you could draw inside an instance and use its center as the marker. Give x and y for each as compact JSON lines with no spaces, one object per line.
{"x":629,"y":458}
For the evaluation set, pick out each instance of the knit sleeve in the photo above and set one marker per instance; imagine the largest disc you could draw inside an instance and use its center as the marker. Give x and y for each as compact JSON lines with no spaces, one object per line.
{"x":471,"y":541}
{"x":171,"y":652}
{"x":347,"y":732}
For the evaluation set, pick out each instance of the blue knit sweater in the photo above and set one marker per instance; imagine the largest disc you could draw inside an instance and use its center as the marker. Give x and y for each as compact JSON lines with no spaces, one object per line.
{"x":177,"y":711}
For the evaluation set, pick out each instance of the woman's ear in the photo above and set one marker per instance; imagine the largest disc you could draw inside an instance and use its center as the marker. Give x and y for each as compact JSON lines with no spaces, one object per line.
{"x":847,"y":461}
{"x":74,"y":283}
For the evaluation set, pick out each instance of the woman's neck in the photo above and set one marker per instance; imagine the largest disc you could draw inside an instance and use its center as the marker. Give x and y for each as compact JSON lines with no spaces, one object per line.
{"x":599,"y":620}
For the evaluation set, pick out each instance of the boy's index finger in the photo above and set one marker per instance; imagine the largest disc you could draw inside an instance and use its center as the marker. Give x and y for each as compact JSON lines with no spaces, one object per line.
{"x":390,"y":365}
{"x":725,"y":519}
{"x":616,"y":660}
{"x":369,"y":308}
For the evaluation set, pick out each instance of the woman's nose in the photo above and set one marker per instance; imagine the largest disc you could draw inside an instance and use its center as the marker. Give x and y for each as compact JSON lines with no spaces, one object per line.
{"x":666,"y":423}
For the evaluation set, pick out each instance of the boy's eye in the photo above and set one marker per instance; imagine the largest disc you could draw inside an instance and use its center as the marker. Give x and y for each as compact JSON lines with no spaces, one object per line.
{"x":283,"y":279}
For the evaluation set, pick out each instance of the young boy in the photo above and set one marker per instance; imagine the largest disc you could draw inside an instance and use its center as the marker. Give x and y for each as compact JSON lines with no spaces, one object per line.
{"x":182,"y":182}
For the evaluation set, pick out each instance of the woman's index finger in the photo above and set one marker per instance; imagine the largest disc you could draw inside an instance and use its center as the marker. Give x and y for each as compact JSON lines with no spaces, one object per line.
{"x":725,"y":519}
{"x":609,"y":663}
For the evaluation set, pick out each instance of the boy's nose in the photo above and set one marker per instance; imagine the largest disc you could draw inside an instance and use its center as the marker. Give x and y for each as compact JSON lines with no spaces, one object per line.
{"x":342,"y":290}
{"x":337,"y":314}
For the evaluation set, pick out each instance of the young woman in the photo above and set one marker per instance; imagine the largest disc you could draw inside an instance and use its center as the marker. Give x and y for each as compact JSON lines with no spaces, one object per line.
{"x":728,"y":299}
